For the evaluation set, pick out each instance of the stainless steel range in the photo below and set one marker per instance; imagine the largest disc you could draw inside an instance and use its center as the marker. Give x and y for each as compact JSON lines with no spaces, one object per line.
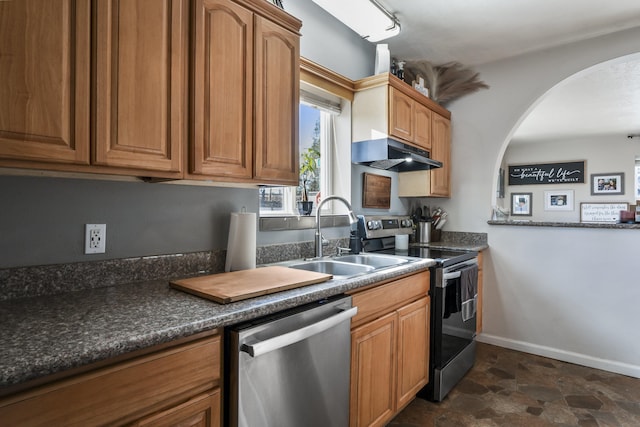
{"x":453,"y":299}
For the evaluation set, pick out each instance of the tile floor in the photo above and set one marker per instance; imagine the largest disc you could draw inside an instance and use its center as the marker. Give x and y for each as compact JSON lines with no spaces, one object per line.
{"x":510,"y":388}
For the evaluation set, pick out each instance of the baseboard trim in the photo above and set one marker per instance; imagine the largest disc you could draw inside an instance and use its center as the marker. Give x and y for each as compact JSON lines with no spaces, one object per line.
{"x":565,"y":356}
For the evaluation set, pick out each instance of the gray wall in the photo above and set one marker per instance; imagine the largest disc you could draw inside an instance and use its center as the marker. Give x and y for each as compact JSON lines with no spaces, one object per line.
{"x":42,"y":219}
{"x":327,"y":41}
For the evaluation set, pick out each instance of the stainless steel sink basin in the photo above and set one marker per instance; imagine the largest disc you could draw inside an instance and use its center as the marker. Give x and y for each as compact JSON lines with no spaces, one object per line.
{"x":376,"y":261}
{"x":336,"y":268}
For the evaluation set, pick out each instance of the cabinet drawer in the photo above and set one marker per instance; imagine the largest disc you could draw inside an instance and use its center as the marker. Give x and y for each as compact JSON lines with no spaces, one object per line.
{"x":384,"y":298}
{"x":120,"y":393}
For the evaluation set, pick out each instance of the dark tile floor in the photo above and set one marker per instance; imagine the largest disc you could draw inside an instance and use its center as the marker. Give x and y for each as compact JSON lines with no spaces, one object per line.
{"x":510,"y":388}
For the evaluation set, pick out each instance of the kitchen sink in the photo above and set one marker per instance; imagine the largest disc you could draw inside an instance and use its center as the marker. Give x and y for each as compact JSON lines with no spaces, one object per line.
{"x":338,"y":269}
{"x":376,"y":261}
{"x":345,"y":266}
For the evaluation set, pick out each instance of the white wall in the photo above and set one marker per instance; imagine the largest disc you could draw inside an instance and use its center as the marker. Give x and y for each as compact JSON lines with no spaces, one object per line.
{"x":604,"y":154}
{"x":562,"y":292}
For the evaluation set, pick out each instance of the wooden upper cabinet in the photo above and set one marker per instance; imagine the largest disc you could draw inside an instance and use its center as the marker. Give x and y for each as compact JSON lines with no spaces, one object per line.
{"x":45,"y":80}
{"x":277,"y":90}
{"x":401,"y":115}
{"x":245,"y":93}
{"x":422,"y":128}
{"x":385,"y":105}
{"x":223,"y":90}
{"x":141,"y":59}
{"x":441,"y":151}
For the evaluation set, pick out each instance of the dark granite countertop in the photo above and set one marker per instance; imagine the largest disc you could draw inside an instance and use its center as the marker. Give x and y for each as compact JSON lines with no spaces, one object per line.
{"x":50,"y":334}
{"x":462,"y":241}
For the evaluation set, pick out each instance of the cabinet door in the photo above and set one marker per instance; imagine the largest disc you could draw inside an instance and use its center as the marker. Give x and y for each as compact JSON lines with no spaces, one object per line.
{"x":401,"y":115}
{"x":277,"y":94}
{"x":441,"y":151}
{"x":422,"y":129}
{"x":141,"y":84}
{"x":413,"y":349}
{"x":222,"y":90}
{"x":373,"y":372}
{"x":45,"y":83}
{"x":201,"y":411}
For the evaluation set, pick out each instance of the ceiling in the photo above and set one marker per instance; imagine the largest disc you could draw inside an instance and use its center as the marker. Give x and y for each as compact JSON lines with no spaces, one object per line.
{"x":604,"y":101}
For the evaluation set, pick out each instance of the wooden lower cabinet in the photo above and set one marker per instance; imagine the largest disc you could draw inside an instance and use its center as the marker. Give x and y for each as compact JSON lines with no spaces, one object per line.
{"x":373,"y":372}
{"x":175,"y":386}
{"x":201,"y":411}
{"x":389,"y":349}
{"x":413,"y":350}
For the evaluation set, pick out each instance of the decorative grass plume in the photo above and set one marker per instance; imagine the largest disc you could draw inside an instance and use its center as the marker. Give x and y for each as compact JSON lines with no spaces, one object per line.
{"x":446,"y":82}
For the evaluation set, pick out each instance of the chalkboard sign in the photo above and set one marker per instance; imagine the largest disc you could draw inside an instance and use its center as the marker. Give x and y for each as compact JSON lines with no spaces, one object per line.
{"x":547,"y":173}
{"x":601,"y":212}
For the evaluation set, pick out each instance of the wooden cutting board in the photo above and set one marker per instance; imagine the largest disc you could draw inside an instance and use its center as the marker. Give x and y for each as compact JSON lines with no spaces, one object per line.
{"x":239,"y":285}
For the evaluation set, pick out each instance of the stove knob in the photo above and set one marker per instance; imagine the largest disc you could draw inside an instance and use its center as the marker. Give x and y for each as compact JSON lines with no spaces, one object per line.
{"x":405,"y":223}
{"x":370,"y":225}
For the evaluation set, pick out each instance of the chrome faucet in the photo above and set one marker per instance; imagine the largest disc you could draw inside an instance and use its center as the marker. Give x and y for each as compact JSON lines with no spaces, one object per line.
{"x":319,"y":238}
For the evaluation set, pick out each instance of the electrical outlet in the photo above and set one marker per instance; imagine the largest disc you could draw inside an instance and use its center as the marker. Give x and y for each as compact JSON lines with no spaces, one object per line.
{"x":95,"y":238}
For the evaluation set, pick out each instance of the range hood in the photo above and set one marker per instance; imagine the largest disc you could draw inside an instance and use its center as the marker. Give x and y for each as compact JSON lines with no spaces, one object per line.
{"x":392,"y":155}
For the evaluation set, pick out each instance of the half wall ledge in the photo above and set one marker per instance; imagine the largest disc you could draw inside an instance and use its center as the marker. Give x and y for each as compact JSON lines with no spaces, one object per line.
{"x":525,"y":223}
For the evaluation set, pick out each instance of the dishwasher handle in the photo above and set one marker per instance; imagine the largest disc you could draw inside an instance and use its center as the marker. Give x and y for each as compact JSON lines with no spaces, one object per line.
{"x":263,"y":347}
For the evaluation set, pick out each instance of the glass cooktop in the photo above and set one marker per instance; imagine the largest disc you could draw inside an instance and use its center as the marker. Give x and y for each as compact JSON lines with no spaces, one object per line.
{"x":444,"y":257}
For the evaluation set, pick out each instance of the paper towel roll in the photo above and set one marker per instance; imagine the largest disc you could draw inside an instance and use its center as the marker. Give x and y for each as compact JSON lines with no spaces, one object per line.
{"x":241,"y":246}
{"x":402,"y":242}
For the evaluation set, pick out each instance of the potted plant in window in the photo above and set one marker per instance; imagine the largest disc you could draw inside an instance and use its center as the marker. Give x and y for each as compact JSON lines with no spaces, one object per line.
{"x":309,"y":167}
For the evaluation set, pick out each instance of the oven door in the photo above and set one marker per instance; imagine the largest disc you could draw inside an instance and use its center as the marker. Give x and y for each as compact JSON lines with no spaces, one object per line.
{"x":457,"y":329}
{"x":453,"y":340}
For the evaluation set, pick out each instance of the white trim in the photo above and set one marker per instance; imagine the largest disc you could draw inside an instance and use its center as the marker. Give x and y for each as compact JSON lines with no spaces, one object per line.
{"x":562,"y":355}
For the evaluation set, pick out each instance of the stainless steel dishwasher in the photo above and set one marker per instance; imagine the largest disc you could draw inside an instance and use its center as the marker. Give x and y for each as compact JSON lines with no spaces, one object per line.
{"x":291,"y":369}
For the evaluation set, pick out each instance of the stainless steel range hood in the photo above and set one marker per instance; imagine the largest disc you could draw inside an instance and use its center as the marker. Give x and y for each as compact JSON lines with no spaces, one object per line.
{"x":389,"y":154}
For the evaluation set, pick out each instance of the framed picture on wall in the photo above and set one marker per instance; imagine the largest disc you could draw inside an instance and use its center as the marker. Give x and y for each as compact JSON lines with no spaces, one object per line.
{"x":607,"y":183}
{"x":558,"y":200}
{"x":521,"y":204}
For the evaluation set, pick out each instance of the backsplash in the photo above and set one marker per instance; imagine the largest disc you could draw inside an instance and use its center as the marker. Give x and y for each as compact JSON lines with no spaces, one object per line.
{"x":23,"y":282}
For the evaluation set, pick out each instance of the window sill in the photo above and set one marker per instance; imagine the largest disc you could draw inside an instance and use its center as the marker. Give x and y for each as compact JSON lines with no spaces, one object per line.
{"x":279,"y":223}
{"x":529,"y":223}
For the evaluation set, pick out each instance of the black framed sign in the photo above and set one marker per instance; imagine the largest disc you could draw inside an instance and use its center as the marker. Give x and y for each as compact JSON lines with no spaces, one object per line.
{"x":547,"y":173}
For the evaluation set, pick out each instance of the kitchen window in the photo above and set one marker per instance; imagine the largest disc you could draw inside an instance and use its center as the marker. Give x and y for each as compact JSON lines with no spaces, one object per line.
{"x":319,"y":111}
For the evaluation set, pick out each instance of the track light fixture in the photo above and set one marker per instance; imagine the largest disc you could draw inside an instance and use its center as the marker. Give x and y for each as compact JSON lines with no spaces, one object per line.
{"x":366,"y":17}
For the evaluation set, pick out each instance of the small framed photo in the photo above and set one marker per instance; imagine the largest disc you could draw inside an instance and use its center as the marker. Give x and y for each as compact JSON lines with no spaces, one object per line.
{"x":558,"y":200}
{"x":607,"y":183}
{"x":521,"y":204}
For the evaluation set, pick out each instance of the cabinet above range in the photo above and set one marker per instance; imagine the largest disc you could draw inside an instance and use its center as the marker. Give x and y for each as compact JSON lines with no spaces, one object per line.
{"x":386,"y":107}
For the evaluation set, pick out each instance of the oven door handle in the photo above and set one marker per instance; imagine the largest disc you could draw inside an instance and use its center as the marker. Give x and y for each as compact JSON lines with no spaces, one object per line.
{"x":262,"y":347}
{"x":449,"y":276}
